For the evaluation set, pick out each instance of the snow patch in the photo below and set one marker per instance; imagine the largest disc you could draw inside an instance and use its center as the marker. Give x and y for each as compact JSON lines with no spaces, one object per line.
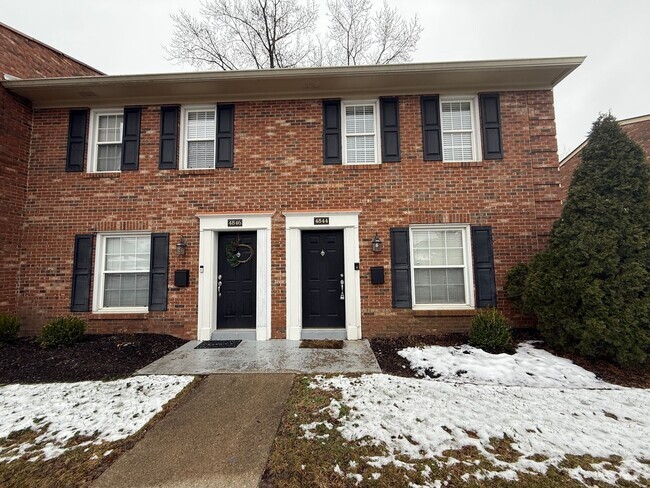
{"x":421,"y":419}
{"x":100,"y":411}
{"x":528,"y":366}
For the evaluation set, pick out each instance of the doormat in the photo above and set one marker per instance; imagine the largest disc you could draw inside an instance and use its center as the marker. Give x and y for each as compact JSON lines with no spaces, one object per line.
{"x":218,"y":344}
{"x":321,"y":344}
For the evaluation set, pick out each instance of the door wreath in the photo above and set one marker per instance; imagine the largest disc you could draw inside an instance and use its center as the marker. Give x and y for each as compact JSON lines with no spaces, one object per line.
{"x":238,"y":253}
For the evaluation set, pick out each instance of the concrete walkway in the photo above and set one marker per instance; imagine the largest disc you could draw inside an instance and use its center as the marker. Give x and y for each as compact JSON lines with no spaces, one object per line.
{"x":219,"y":436}
{"x":275,"y":356}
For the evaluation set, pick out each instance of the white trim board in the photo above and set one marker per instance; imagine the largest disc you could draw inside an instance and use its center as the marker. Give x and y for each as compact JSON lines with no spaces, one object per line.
{"x":210,"y":225}
{"x":295,"y":223}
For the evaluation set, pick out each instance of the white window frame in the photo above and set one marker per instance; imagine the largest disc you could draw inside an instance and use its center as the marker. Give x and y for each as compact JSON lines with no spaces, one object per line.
{"x":184,"y":146}
{"x":92,"y":131}
{"x":98,"y":282}
{"x":477,"y":154}
{"x":377,"y":134}
{"x":468,"y":275}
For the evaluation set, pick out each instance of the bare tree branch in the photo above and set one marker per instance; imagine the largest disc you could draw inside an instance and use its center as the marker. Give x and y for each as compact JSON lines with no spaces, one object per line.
{"x":235,"y":34}
{"x":356,"y":36}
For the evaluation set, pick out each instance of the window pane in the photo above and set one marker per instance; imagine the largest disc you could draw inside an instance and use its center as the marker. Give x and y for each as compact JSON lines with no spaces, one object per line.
{"x":113,"y":245}
{"x":200,"y":154}
{"x":456,"y":116}
{"x":457,"y":146}
{"x":360,"y":149}
{"x":438,"y":284}
{"x":126,"y":290}
{"x":109,"y":157}
{"x":360,"y":119}
{"x":109,"y":128}
{"x":201,"y":125}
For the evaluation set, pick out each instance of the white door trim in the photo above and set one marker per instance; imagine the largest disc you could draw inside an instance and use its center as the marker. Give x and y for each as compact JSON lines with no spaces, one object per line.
{"x":210,"y":226}
{"x":349,"y":222}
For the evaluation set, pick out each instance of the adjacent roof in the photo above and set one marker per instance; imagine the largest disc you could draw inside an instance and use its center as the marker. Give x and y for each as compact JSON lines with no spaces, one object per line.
{"x":297,"y":83}
{"x":633,"y":120}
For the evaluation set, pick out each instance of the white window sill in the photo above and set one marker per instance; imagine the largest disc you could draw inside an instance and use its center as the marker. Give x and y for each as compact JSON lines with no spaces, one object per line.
{"x":443,"y":307}
{"x":122,"y":310}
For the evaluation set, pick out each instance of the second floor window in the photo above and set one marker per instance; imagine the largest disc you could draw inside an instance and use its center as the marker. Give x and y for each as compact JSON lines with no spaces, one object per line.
{"x":360,"y":134}
{"x":459,"y":134}
{"x":106,"y":145}
{"x":199,"y":138}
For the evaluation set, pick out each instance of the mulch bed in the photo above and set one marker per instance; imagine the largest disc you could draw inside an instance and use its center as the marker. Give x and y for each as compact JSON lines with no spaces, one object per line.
{"x":390,"y":362}
{"x":96,"y":357}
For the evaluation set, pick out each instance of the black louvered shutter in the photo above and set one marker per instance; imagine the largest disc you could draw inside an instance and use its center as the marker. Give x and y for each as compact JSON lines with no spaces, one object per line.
{"x":168,"y":137}
{"x":400,"y":267}
{"x":225,"y":135}
{"x":491,"y":119}
{"x":390,"y":144}
{"x":158,"y":272}
{"x":484,"y":282}
{"x":431,"y":130}
{"x":81,"y":273}
{"x":76,"y":140}
{"x":332,"y":132}
{"x":131,"y":138}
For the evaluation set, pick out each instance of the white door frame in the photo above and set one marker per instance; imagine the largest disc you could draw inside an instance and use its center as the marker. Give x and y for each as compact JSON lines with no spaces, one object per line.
{"x":210,"y":226}
{"x":349,"y":222}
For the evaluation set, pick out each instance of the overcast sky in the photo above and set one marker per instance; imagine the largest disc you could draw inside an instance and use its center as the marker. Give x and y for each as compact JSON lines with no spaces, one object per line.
{"x":126,"y":36}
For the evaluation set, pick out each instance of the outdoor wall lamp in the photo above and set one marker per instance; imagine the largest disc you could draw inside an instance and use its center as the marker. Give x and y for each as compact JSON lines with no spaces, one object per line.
{"x":181,"y":246}
{"x":377,"y":244}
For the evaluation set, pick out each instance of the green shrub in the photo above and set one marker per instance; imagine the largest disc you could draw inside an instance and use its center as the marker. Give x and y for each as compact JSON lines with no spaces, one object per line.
{"x":62,"y":331}
{"x":491,"y":332}
{"x":590,"y":290}
{"x":9,"y":327}
{"x":515,"y":285}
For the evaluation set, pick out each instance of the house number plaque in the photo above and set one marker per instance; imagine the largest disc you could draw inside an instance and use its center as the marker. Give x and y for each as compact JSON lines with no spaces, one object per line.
{"x":235,"y":222}
{"x":321,"y":221}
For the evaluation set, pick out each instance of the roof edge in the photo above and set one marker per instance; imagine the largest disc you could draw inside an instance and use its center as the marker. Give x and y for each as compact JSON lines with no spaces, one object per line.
{"x":570,"y":63}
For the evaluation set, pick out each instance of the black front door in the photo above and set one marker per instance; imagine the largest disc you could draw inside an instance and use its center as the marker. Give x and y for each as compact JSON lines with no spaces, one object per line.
{"x":236,"y":284}
{"x":323,"y":294}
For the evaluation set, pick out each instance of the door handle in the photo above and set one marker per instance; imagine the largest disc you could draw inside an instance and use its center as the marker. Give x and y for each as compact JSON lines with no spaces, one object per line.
{"x":342,"y":287}
{"x":219,"y":283}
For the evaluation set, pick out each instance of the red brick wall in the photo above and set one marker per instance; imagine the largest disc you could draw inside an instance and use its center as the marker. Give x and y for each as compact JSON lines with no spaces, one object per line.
{"x":15,"y":130}
{"x":24,"y":57}
{"x":638,"y":131}
{"x":278,"y":167}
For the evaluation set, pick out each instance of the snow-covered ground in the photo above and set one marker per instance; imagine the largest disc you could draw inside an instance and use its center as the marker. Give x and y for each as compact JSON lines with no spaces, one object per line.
{"x":103,"y":411}
{"x":529,"y":366}
{"x":560,"y":410}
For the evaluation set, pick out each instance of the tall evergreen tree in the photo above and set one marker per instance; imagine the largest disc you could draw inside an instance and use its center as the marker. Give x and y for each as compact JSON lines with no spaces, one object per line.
{"x":590,"y":290}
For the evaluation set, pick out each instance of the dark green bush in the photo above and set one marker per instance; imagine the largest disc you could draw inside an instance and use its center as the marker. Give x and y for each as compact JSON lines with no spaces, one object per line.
{"x":590,"y":289}
{"x":62,"y":331}
{"x":515,"y":285}
{"x":9,"y":327}
{"x":491,"y":332}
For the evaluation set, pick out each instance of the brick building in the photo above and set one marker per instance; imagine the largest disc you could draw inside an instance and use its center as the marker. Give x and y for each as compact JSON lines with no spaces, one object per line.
{"x":20,"y":57}
{"x":318,"y":202}
{"x":638,"y":128}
